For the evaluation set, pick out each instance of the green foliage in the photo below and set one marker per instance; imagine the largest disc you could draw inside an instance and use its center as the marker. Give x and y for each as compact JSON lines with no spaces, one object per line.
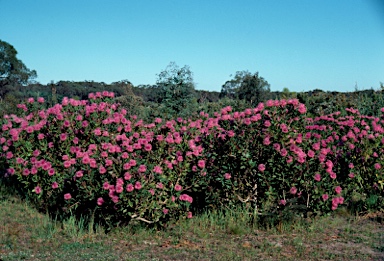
{"x":177,"y":91}
{"x":246,"y":86}
{"x":12,"y":70}
{"x":370,"y":102}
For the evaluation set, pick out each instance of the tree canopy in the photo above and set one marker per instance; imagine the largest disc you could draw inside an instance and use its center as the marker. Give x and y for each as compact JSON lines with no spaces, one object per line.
{"x":177,"y":89}
{"x":12,"y":70}
{"x":246,"y":86}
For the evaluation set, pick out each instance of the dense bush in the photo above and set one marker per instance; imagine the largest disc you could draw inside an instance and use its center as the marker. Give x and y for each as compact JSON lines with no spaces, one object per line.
{"x":91,"y":158}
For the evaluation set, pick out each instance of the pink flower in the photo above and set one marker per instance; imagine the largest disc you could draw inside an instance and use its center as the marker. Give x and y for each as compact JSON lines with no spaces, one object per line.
{"x":338,"y":189}
{"x":351,"y":175}
{"x":11,"y":171}
{"x":152,"y":191}
{"x":377,"y":166}
{"x":261,"y":167}
{"x":293,"y":190}
{"x":127,"y":176}
{"x":325,"y":197}
{"x":102,"y":170}
{"x":317,"y":177}
{"x":201,"y":164}
{"x":100,"y":201}
{"x":130,"y":188}
{"x":332,"y":175}
{"x":40,"y":100}
{"x":302,"y":108}
{"x":119,"y":188}
{"x":37,"y":190}
{"x":119,"y":181}
{"x":266,"y":141}
{"x":55,"y":185}
{"x":189,"y":215}
{"x":106,"y":186}
{"x":67,"y":196}
{"x":148,"y":147}
{"x":115,"y":198}
{"x":126,"y":166}
{"x":185,"y":197}
{"x":138,"y":185}
{"x":157,"y":169}
{"x":79,"y":174}
{"x":63,"y":136}
{"x":66,"y":123}
{"x":142,"y":168}
{"x":26,"y":172}
{"x":108,"y":162}
{"x":97,"y":131}
{"x":132,"y":162}
{"x":51,"y":172}
{"x":165,"y":211}
{"x":283,"y":202}
{"x":178,"y":187}
{"x":125,"y":155}
{"x":67,"y":164}
{"x":227,"y":176}
{"x":159,"y":185}
{"x":34,"y":170}
{"x":9,"y":155}
{"x":335,"y":202}
{"x":329,"y":164}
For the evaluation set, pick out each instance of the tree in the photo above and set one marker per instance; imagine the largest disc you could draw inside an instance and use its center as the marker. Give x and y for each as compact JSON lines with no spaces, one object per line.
{"x":12,"y":70}
{"x":246,"y":86}
{"x":177,"y":90}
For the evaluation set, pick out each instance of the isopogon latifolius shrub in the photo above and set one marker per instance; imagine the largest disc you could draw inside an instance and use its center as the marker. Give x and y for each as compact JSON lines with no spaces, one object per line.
{"x":87,"y":157}
{"x":91,"y":156}
{"x":357,"y":142}
{"x":273,"y":156}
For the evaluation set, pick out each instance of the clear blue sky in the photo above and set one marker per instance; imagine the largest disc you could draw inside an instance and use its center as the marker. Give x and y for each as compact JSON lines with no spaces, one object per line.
{"x":303,"y":45}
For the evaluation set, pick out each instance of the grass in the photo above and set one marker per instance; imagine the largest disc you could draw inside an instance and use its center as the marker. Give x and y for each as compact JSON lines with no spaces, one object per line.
{"x":26,"y":234}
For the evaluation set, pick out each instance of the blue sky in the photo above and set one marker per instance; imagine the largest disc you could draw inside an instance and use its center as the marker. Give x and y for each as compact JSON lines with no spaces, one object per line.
{"x":302,"y":45}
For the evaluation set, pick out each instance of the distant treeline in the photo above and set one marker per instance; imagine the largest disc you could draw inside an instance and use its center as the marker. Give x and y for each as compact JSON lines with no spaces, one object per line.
{"x":148,"y":101}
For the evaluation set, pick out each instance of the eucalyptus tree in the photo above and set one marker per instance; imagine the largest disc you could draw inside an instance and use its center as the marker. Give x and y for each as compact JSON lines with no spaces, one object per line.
{"x":12,"y":70}
{"x":246,"y":86}
{"x":177,"y":91}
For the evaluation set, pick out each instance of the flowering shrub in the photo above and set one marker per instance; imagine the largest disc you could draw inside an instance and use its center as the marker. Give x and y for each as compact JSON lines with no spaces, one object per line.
{"x":81,"y":156}
{"x":278,"y":158}
{"x":90,"y":157}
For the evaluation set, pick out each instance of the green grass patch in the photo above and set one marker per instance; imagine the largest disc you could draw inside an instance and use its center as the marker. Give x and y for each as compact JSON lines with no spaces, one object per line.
{"x":229,"y":234}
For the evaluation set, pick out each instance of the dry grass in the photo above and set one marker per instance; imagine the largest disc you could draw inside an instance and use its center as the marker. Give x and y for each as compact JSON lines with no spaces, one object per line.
{"x":26,"y":234}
